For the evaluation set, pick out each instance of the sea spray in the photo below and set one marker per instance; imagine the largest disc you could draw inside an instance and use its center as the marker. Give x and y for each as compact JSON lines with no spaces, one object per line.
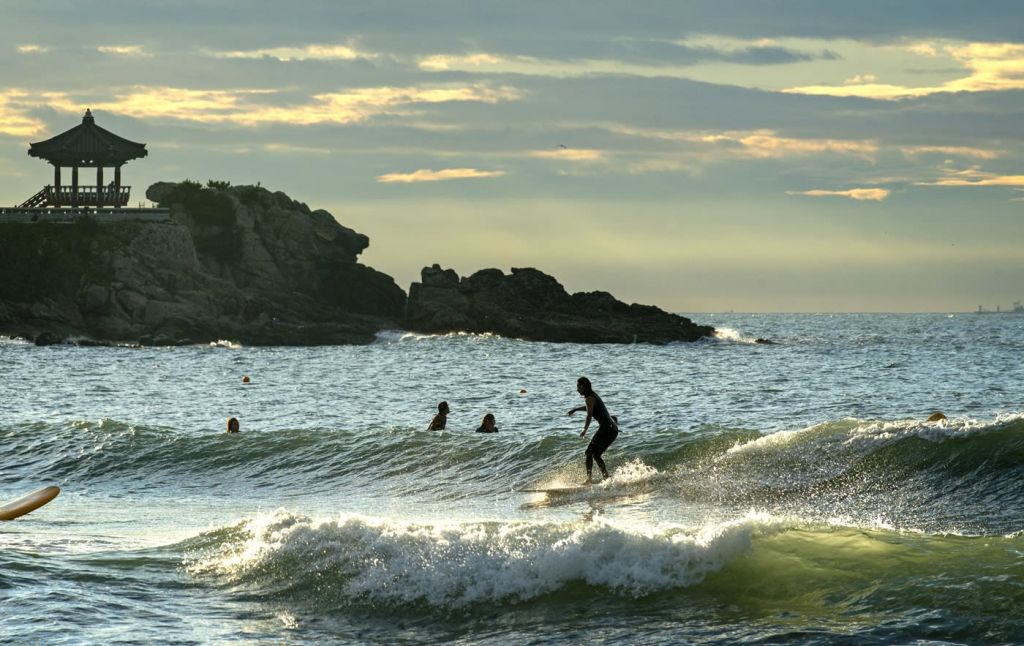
{"x":357,"y":559}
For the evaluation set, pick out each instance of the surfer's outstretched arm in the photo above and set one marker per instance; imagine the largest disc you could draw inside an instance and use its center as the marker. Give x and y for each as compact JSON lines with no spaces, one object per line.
{"x":578,"y":409}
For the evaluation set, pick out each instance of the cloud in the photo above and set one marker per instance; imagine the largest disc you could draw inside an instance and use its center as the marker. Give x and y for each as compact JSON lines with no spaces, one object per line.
{"x":955,"y":151}
{"x":441,"y":62}
{"x":124,"y":50}
{"x":570,"y":154}
{"x":32,"y":49}
{"x":974,"y":177}
{"x":860,"y":79}
{"x":759,"y":144}
{"x":15,"y":120}
{"x":428,"y":175}
{"x":251,"y":107}
{"x":291,"y":149}
{"x":874,"y":194}
{"x":641,"y":57}
{"x":308,"y":53}
{"x":989,"y":67}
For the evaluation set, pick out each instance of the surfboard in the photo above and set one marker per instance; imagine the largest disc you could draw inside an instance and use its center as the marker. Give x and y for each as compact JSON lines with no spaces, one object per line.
{"x":556,"y":490}
{"x":27,"y":503}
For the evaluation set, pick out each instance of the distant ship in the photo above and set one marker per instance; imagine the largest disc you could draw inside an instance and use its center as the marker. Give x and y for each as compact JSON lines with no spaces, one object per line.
{"x":1017,"y":309}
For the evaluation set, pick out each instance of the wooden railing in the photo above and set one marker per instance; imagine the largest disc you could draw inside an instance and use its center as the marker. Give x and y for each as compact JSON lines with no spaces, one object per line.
{"x":85,"y":196}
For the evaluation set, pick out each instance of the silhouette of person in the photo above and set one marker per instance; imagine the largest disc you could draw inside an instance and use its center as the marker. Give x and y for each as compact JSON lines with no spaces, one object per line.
{"x":487,"y":424}
{"x":233,"y":425}
{"x":608,"y":427}
{"x":441,"y":419}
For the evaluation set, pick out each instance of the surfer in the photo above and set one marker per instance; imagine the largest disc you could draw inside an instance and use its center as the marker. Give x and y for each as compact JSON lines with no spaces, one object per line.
{"x":487,"y":424}
{"x":608,"y":428}
{"x":233,"y":425}
{"x":441,"y":419}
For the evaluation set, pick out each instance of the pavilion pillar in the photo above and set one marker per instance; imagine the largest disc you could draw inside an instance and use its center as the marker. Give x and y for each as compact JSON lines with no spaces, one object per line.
{"x":56,"y":185}
{"x":99,"y":186}
{"x":117,"y":185}
{"x":74,"y":185}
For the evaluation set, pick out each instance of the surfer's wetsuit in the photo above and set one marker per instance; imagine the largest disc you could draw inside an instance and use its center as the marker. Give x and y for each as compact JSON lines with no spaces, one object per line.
{"x":607,"y":431}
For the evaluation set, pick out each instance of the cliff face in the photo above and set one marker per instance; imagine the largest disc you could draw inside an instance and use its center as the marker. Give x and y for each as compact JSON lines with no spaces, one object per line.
{"x":237,"y":263}
{"x":529,"y":304}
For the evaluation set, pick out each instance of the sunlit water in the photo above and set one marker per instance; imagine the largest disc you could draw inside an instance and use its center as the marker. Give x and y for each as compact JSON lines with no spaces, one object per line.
{"x":774,"y":493}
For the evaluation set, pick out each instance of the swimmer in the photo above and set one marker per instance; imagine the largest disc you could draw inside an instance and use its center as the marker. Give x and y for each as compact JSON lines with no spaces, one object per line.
{"x":487,"y":424}
{"x":233,"y":425}
{"x":441,"y":419}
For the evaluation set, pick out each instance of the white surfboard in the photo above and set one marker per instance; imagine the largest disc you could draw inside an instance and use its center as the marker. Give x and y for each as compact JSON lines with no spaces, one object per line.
{"x":27,"y":503}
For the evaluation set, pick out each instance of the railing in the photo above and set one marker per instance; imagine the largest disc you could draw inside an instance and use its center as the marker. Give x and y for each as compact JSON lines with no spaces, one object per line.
{"x":85,"y":196}
{"x":63,"y":215}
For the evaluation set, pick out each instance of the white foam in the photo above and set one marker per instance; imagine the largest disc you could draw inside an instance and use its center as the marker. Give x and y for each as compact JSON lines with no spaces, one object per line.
{"x":730,"y":335}
{"x":858,"y":435}
{"x":453,"y":565}
{"x":6,"y":340}
{"x":225,"y":343}
{"x":402,"y":336}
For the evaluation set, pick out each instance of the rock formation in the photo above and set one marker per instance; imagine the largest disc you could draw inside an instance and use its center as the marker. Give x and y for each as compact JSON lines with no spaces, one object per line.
{"x":247,"y":265}
{"x":529,"y":304}
{"x":238,"y":263}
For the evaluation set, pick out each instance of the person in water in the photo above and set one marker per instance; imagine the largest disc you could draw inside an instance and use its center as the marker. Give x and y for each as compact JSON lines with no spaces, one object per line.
{"x":608,"y":427}
{"x":487,"y":424}
{"x":441,"y":419}
{"x":233,"y":425}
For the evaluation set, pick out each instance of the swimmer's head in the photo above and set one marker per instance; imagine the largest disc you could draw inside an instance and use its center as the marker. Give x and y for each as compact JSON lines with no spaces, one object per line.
{"x":233,"y":425}
{"x":584,"y":387}
{"x":443,"y":407}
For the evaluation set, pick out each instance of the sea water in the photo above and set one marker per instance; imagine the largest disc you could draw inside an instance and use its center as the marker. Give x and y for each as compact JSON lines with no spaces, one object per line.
{"x":771,"y":493}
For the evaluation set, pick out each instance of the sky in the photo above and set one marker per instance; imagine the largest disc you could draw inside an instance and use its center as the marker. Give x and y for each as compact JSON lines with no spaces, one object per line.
{"x":702,"y":156}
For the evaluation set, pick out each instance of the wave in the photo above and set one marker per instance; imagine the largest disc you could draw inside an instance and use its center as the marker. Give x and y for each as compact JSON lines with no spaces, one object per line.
{"x":730,"y":335}
{"x":757,"y":560}
{"x":956,"y":475}
{"x":403,"y":336}
{"x":361,"y":560}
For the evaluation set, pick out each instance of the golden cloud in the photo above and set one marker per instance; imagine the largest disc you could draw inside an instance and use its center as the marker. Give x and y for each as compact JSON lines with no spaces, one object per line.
{"x":569,"y":154}
{"x":989,"y":67}
{"x":307,"y":53}
{"x":428,"y":175}
{"x":874,"y":194}
{"x":953,"y":151}
{"x":975,"y":177}
{"x":442,"y":62}
{"x":244,"y":106}
{"x":14,"y":118}
{"x":124,"y":50}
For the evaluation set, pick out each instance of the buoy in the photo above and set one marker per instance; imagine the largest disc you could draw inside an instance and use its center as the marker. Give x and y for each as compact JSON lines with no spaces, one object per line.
{"x":245,"y":379}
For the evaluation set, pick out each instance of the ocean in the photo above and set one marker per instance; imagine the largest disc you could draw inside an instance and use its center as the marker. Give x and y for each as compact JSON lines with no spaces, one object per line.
{"x":786,"y":493}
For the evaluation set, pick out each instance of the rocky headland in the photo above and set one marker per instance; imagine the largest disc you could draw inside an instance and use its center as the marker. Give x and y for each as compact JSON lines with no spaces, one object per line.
{"x":529,"y":304}
{"x":245,"y":264}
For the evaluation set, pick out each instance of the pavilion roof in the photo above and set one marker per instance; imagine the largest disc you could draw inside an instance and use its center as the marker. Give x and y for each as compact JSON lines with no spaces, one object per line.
{"x":87,"y":145}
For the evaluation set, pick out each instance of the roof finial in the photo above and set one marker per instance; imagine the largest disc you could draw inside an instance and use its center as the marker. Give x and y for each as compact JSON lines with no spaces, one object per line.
{"x":88,"y":118}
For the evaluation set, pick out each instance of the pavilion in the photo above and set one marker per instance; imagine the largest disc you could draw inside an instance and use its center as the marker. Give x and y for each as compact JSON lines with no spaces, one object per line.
{"x":84,"y":146}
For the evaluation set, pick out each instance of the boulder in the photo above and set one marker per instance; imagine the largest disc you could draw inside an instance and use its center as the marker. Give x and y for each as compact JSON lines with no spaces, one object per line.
{"x":529,"y":304}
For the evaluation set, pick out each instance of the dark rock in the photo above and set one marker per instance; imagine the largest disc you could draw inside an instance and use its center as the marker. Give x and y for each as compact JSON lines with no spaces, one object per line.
{"x":530,"y":304}
{"x":231,"y":260}
{"x":49,"y":338}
